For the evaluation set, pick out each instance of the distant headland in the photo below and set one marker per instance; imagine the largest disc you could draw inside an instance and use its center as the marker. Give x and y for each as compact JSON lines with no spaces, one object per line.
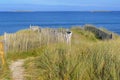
{"x":101,"y":11}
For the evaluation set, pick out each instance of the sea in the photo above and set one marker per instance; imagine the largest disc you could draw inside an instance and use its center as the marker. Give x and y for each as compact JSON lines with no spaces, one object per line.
{"x":11,"y":22}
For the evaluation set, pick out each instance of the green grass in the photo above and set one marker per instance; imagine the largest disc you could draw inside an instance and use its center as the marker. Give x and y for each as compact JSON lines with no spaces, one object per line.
{"x":87,"y":58}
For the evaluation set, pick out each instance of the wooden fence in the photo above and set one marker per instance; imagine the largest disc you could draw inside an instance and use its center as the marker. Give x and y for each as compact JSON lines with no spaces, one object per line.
{"x":28,"y":39}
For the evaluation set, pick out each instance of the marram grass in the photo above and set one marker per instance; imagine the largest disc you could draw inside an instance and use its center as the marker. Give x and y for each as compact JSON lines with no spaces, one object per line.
{"x":87,"y":58}
{"x":94,"y":62}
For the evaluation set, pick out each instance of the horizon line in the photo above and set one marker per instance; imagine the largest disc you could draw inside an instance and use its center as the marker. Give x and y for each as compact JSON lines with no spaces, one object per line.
{"x":61,"y":11}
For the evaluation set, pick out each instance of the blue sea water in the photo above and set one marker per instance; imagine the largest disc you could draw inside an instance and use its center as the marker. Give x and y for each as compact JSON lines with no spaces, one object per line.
{"x":13,"y":21}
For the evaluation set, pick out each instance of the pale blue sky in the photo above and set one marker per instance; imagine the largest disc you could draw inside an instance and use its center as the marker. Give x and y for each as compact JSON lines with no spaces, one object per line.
{"x":59,"y":5}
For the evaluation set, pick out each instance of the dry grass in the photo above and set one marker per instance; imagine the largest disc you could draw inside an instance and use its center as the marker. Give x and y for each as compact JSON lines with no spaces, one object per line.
{"x":98,"y":61}
{"x":86,"y":59}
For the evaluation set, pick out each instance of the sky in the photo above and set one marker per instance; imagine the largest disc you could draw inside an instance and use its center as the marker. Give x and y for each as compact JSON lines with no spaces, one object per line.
{"x":59,"y":5}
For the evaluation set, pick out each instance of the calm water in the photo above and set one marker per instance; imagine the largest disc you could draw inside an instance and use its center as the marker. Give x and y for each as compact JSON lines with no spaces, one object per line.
{"x":14,"y":21}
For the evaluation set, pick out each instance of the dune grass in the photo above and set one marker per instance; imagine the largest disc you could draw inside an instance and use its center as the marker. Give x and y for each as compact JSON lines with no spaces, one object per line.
{"x":93,"y":62}
{"x":87,"y":58}
{"x":5,"y":72}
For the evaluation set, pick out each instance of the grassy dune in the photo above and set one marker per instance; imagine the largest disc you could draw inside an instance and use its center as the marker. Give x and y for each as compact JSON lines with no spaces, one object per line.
{"x":87,"y":58}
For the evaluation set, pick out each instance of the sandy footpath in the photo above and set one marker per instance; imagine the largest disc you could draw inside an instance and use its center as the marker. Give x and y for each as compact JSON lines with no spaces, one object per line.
{"x":17,"y":70}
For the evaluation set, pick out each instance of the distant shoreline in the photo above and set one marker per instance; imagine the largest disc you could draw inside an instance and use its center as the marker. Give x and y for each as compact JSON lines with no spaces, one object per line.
{"x":59,"y":11}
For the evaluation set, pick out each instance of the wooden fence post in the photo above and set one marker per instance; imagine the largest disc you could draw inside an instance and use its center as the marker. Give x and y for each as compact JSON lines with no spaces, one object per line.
{"x":68,"y":36}
{"x":5,"y":42}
